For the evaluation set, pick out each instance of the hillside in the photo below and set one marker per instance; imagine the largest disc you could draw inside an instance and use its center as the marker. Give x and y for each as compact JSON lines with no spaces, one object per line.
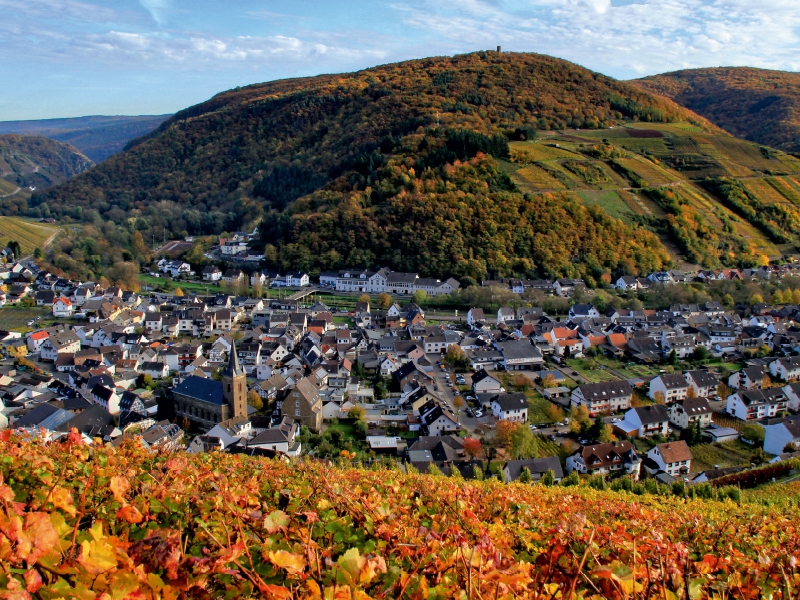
{"x":755,"y":104}
{"x":96,"y":137}
{"x":373,"y":152}
{"x":34,"y":162}
{"x":102,"y":522}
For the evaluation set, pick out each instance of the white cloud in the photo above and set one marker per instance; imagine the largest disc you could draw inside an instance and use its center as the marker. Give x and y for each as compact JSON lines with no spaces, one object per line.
{"x":623,"y":38}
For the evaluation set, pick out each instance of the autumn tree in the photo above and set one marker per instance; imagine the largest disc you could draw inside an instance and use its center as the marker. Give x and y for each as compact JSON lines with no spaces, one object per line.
{"x":254,"y":400}
{"x":364,"y":298}
{"x":549,"y":381}
{"x":472,"y":447}
{"x":659,"y":397}
{"x":523,"y":442}
{"x":554,"y":413}
{"x":522,"y":383}
{"x":766,"y":382}
{"x":756,"y":299}
{"x":503,"y":432}
{"x":723,"y":391}
{"x":138,"y":246}
{"x":178,"y":292}
{"x":384,"y":301}
{"x":456,"y":357}
{"x":691,"y":393}
{"x":579,"y":420}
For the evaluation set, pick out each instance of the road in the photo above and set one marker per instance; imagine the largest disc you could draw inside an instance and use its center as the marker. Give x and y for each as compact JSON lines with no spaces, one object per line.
{"x":448,"y":394}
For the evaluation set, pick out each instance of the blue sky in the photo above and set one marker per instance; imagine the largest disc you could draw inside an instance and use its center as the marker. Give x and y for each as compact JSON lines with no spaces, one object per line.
{"x":65,"y":58}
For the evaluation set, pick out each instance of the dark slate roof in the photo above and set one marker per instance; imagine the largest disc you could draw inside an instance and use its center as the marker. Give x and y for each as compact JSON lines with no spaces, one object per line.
{"x":511,"y":401}
{"x":673,"y":381}
{"x":537,"y":467}
{"x":201,"y":388}
{"x":703,"y":378}
{"x":655,"y":413}
{"x":91,"y":421}
{"x":44,"y":415}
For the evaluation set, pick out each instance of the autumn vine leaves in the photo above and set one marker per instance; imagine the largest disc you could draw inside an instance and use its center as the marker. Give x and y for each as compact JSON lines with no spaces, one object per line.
{"x":124,"y":522}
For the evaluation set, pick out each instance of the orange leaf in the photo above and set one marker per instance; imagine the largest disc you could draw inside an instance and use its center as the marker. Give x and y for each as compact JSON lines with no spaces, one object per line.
{"x":33,"y":581}
{"x":276,"y":591}
{"x":130,"y":514}
{"x":291,"y":563}
{"x":119,"y":486}
{"x":37,"y":537}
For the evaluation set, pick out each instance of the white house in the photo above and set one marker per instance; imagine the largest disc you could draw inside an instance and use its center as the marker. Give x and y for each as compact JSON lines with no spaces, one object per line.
{"x":786,"y":369}
{"x":644,"y":421}
{"x":63,"y":307}
{"x":212,"y":273}
{"x":779,"y":432}
{"x":685,"y":413}
{"x":792,"y":391}
{"x":627,"y":282}
{"x":483,"y":383}
{"x":583,"y":311}
{"x":672,"y":386}
{"x":510,"y":407}
{"x":107,"y":398}
{"x":505,"y":313}
{"x":674,"y":458}
{"x":280,"y":438}
{"x":703,"y":383}
{"x":757,"y":404}
{"x":474,"y":316}
{"x":296,"y":279}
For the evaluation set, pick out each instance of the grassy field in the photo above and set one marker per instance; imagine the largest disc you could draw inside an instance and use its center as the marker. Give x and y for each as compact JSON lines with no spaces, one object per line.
{"x":610,"y":201}
{"x":537,"y":408}
{"x":587,"y":369}
{"x":159,"y":283}
{"x":29,"y":234}
{"x":727,"y":454}
{"x":16,"y":319}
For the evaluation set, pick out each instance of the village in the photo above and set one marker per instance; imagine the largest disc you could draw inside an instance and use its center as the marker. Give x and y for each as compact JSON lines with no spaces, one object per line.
{"x":688,"y":394}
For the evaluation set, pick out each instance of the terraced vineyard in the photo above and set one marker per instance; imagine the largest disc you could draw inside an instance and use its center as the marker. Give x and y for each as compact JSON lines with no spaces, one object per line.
{"x":29,"y":234}
{"x":652,"y":175}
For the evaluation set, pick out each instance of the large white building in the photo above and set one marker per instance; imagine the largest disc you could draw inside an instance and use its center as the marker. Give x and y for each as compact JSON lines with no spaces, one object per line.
{"x":385,"y":280}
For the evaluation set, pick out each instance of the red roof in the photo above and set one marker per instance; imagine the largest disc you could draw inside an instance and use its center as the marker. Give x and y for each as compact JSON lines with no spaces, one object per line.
{"x":39,"y":335}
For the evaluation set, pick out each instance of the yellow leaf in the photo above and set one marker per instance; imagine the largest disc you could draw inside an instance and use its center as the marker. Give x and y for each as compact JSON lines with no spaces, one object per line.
{"x":291,"y":563}
{"x":119,"y":486}
{"x":62,"y":498}
{"x":97,"y":556}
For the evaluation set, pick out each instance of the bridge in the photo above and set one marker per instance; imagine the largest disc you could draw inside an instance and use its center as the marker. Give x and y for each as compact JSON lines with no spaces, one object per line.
{"x":303,"y":293}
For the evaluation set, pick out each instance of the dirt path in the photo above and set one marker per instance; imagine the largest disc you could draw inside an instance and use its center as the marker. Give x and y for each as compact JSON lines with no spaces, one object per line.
{"x":11,"y":194}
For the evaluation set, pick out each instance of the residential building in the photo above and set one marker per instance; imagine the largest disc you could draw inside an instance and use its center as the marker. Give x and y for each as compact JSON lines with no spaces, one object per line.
{"x":671,"y":386}
{"x":519,"y":355}
{"x":780,"y":432}
{"x":645,"y":421}
{"x":604,"y":459}
{"x":603,"y":397}
{"x":510,"y":407}
{"x":689,"y":411}
{"x":304,"y":405}
{"x":785,"y":369}
{"x":674,"y":458}
{"x":703,"y":383}
{"x":757,"y":404}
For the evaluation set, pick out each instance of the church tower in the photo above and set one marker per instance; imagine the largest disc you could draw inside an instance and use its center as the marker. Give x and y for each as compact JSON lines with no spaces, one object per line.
{"x":234,"y":386}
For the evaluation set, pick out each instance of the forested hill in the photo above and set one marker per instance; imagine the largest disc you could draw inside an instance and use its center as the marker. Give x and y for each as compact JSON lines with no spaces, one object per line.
{"x":375,"y":150}
{"x":35,"y":161}
{"x":756,"y":104}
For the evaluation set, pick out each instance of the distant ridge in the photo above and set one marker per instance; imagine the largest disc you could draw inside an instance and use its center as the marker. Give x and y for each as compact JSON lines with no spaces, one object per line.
{"x":756,"y":104}
{"x":98,"y":137}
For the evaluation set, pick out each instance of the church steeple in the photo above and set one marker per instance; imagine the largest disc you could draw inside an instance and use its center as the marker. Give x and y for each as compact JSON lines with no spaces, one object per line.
{"x":234,"y":385}
{"x":233,"y":367}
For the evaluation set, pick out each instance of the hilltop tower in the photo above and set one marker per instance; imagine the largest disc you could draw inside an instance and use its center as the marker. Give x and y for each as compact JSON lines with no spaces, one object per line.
{"x":234,"y":386}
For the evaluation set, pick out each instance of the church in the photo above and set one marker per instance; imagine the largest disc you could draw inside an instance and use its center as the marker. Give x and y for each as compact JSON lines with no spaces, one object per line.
{"x":206,"y":402}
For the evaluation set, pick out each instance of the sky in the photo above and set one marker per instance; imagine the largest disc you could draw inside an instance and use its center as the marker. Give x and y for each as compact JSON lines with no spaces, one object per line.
{"x":69,"y":58}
